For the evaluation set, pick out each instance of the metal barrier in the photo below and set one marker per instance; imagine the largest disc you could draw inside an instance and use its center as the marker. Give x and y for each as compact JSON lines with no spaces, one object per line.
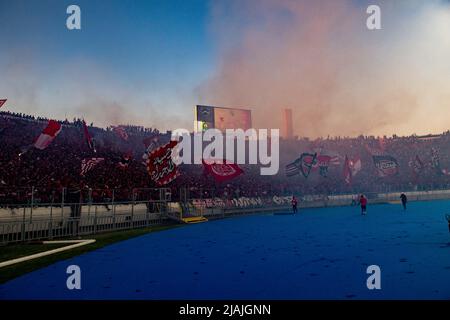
{"x":219,"y":208}
{"x":49,"y":228}
{"x":32,"y":220}
{"x":38,"y":221}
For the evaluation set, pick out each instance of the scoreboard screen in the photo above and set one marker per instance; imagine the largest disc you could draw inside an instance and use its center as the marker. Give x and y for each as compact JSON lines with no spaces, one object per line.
{"x":208,"y":117}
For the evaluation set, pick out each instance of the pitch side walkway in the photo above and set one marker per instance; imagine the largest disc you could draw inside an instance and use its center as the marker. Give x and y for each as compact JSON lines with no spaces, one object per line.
{"x":317,"y":254}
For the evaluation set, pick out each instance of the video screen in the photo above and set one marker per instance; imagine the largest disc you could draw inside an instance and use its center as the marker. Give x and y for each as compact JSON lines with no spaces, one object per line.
{"x":209,"y":117}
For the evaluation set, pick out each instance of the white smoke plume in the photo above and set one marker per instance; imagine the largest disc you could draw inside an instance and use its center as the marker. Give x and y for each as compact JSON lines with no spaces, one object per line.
{"x":319,"y":58}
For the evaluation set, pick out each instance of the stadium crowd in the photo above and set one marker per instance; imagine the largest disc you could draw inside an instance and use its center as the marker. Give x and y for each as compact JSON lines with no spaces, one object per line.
{"x":57,"y":168}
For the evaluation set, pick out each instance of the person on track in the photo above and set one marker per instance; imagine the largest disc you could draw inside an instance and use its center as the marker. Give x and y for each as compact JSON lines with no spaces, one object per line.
{"x":404,"y":199}
{"x":363,"y":203}
{"x":294,"y":203}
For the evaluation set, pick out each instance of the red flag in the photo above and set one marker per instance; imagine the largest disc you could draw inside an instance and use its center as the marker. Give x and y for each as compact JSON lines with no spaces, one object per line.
{"x":89,"y":164}
{"x":325,"y":161}
{"x":160,"y":166}
{"x":88,"y":137}
{"x":386,"y":165}
{"x":48,"y":135}
{"x":221,"y":170}
{"x":2,"y":102}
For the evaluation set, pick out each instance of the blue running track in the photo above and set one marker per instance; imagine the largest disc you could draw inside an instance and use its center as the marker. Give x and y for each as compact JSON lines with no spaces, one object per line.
{"x":316,"y":254}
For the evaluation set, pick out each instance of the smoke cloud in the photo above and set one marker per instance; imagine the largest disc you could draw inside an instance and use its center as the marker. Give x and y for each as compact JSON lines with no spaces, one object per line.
{"x":316,"y":57}
{"x":339,"y":78}
{"x":81,"y":88}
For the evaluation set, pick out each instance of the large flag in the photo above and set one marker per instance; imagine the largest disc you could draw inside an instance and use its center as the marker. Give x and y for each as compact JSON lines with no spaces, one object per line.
{"x":160,"y":166}
{"x":386,"y":165}
{"x":311,"y":162}
{"x":2,"y":102}
{"x":323,"y":162}
{"x":120,"y":131}
{"x":88,"y":164}
{"x":303,"y":165}
{"x":88,"y":137}
{"x":221,"y":170}
{"x":48,"y":135}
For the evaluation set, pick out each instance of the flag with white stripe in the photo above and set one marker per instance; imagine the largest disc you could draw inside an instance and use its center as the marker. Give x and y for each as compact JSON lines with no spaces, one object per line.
{"x":89,"y":164}
{"x":293,"y":168}
{"x":48,"y":135}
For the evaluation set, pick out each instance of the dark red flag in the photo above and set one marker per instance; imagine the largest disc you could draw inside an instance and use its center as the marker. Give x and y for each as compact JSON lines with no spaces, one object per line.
{"x":2,"y":102}
{"x":48,"y":135}
{"x":88,"y":137}
{"x":160,"y":166}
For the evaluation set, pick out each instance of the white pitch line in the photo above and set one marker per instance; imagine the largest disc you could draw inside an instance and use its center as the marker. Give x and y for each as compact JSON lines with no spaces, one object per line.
{"x":76,"y":243}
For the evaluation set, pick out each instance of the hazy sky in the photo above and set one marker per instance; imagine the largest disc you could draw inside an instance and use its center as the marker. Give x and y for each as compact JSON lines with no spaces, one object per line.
{"x":150,"y":62}
{"x":133,"y":61}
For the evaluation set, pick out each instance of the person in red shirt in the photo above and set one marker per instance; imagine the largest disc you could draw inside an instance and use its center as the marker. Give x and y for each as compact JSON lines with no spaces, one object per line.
{"x":294,"y":204}
{"x":363,"y":203}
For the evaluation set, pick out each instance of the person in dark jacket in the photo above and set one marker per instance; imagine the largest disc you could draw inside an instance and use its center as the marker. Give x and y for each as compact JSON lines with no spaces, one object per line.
{"x":404,"y":200}
{"x":294,"y":203}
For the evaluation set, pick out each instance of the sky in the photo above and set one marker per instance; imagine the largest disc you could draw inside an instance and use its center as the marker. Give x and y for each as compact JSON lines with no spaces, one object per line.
{"x":132,"y":61}
{"x":150,"y":62}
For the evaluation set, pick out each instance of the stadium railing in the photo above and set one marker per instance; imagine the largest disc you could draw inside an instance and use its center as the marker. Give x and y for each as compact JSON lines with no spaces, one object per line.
{"x":30,"y":219}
